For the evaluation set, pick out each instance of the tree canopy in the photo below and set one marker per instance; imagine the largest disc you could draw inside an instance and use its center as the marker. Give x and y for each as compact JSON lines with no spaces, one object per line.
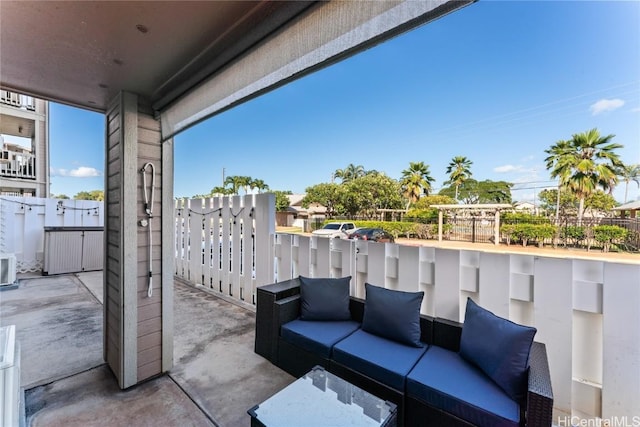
{"x":282,"y":201}
{"x":471,"y":191}
{"x":361,"y":196}
{"x":349,"y":173}
{"x":597,"y":202}
{"x":90,"y":195}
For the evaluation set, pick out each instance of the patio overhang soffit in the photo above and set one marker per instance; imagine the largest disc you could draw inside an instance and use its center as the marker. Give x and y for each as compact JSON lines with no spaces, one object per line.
{"x":192,"y":60}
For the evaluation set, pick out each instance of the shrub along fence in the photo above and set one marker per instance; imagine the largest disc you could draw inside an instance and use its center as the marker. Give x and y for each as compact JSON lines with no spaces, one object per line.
{"x":603,"y":233}
{"x":606,"y":234}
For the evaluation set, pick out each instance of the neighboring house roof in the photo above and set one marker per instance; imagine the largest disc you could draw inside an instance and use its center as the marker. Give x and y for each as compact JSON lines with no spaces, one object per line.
{"x":295,"y":205}
{"x":524,"y":205}
{"x":295,"y":199}
{"x":631,"y":206}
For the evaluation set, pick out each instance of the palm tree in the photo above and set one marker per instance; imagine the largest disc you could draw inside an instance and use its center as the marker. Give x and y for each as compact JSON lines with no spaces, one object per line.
{"x":416,"y":180}
{"x":219,"y":190}
{"x":350,"y":173}
{"x":459,"y":171}
{"x":584,"y":163}
{"x":259,"y":185}
{"x":629,"y":173}
{"x":235,"y":182}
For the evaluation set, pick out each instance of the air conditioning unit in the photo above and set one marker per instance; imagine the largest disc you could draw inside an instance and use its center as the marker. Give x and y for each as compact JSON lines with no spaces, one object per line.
{"x":7,"y":269}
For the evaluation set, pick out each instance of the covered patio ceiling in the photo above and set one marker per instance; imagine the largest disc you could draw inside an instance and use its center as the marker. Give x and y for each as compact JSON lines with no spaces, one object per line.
{"x":190,"y":59}
{"x":83,"y":53}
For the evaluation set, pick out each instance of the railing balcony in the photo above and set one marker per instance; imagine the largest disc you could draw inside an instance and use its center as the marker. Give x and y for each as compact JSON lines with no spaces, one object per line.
{"x":17,"y":100}
{"x":15,"y":164}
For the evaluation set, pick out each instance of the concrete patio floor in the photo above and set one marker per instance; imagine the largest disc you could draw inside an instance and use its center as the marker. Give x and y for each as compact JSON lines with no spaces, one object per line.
{"x":216,"y":375}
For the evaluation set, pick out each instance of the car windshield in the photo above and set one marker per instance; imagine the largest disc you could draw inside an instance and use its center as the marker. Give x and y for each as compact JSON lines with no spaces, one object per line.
{"x":332,"y":227}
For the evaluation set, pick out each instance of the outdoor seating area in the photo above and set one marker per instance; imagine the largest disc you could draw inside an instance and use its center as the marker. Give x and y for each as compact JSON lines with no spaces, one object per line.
{"x":436,"y":371}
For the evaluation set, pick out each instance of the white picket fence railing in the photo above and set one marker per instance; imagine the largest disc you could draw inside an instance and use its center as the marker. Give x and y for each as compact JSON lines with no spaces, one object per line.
{"x":226,"y":243}
{"x":22,"y":222}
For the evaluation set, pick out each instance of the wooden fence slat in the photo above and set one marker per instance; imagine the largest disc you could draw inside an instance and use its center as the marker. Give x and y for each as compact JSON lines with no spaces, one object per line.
{"x":283,"y":252}
{"x":236,"y":211}
{"x":247,"y":282}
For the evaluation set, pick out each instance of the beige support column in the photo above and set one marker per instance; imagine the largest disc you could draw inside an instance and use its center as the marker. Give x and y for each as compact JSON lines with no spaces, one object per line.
{"x":440,"y":225}
{"x":138,"y":339}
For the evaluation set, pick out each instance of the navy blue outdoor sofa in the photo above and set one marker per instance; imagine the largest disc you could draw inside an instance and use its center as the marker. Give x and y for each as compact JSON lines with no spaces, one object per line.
{"x":439,"y":373}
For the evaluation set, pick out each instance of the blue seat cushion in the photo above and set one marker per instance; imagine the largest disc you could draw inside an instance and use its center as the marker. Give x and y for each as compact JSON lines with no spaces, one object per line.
{"x":444,"y":380}
{"x":317,"y":337}
{"x":384,"y":360}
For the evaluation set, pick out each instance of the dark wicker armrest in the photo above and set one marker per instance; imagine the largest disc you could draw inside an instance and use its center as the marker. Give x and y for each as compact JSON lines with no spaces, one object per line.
{"x":268,"y":320}
{"x":540,"y":394}
{"x":282,"y":289}
{"x":287,"y":309}
{"x":446,"y":334}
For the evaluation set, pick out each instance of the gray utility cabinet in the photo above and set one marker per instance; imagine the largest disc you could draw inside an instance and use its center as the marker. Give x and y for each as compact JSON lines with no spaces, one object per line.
{"x":73,"y":249}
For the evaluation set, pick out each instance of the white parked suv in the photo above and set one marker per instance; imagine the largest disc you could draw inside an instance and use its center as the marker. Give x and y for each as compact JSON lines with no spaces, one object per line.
{"x":336,"y":230}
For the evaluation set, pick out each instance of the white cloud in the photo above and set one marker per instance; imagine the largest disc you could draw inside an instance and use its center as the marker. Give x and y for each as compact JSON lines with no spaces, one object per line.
{"x":605,"y":105}
{"x":80,"y":172}
{"x":635,"y":110}
{"x":507,"y":168}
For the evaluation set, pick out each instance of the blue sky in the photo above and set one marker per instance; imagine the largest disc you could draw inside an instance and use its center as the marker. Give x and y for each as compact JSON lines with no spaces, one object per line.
{"x":497,"y":82}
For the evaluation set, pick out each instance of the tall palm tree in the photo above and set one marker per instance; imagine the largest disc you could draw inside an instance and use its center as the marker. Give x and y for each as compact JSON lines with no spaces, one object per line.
{"x":629,"y":173}
{"x":350,"y":173}
{"x":459,"y":171}
{"x":584,"y":163}
{"x":416,"y":180}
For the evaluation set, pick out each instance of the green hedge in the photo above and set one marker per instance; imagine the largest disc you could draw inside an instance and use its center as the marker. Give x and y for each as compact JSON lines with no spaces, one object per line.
{"x":527,"y":232}
{"x":396,"y":228}
{"x":608,"y":235}
{"x":423,"y":215}
{"x":519,"y":218}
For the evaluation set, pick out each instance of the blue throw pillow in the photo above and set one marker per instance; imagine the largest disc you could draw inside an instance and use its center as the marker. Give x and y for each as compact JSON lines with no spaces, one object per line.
{"x":324,"y":298}
{"x":393,"y":314}
{"x":499,"y":347}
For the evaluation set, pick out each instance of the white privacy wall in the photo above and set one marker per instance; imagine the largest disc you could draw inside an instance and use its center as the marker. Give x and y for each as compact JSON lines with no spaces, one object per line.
{"x":22,"y":222}
{"x":587,"y":312}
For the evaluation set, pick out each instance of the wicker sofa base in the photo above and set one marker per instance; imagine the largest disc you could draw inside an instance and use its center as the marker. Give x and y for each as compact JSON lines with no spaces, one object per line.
{"x":419,"y":414}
